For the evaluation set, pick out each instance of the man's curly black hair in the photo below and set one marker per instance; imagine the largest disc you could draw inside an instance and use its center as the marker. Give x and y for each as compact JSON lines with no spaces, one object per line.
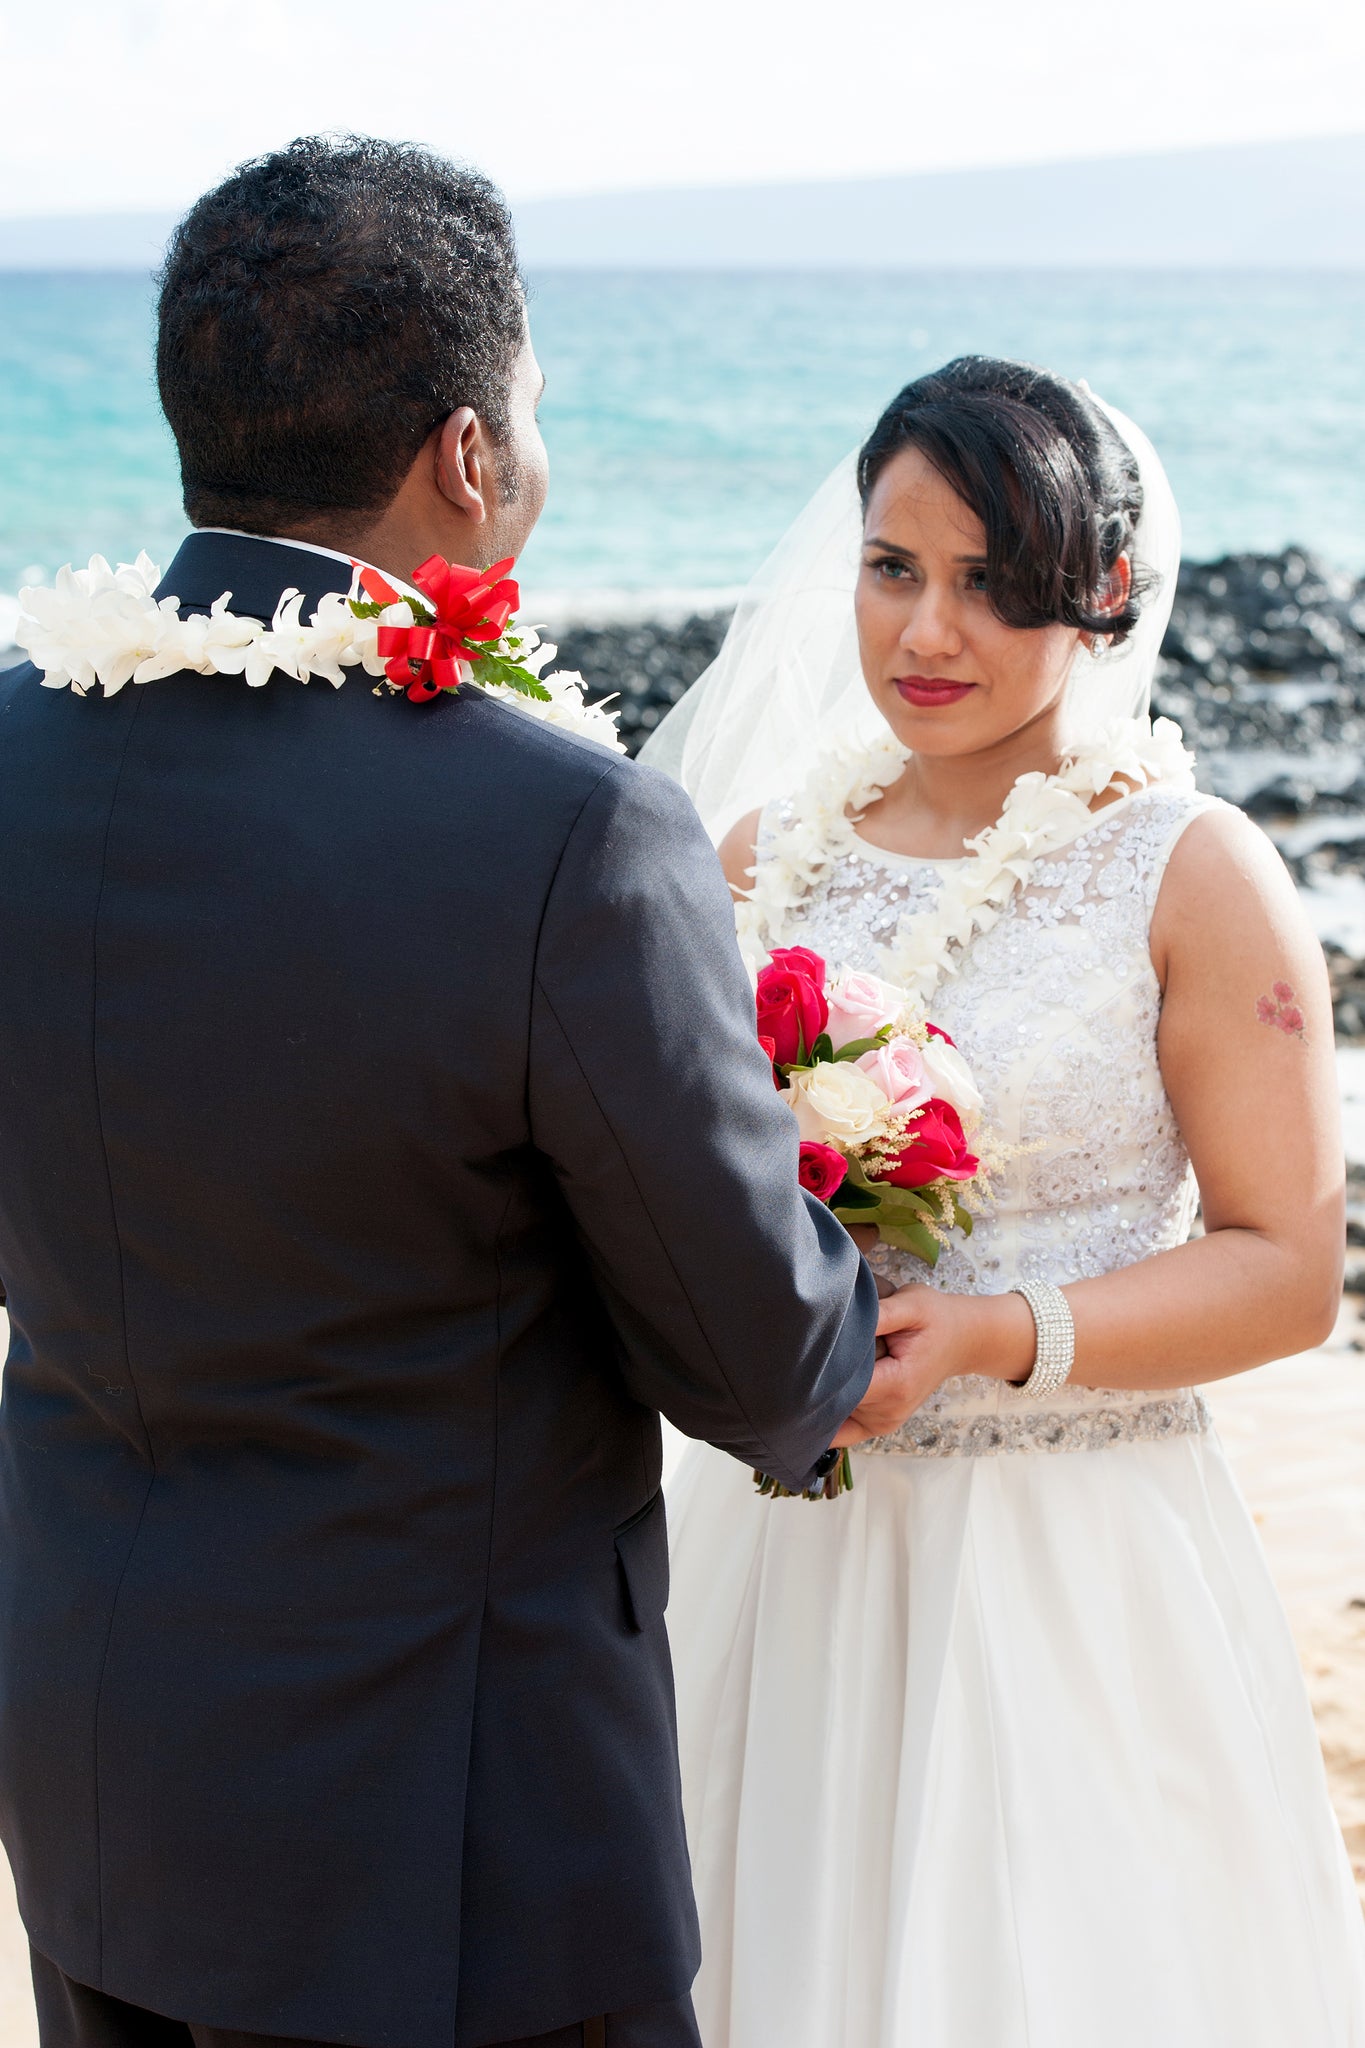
{"x":321,"y":311}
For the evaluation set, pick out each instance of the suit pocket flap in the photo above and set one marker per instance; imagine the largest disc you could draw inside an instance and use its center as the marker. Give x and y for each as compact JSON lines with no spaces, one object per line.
{"x":642,"y":1552}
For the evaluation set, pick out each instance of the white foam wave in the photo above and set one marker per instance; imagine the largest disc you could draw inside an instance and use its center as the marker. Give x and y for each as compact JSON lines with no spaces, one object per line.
{"x":558,"y":610}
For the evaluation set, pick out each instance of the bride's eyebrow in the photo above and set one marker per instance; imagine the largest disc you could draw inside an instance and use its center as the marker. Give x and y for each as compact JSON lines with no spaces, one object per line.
{"x":889,"y":547}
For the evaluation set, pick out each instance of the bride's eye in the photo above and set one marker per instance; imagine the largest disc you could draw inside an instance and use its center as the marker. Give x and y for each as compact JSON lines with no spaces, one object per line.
{"x":890,"y":567}
{"x":976,"y":580}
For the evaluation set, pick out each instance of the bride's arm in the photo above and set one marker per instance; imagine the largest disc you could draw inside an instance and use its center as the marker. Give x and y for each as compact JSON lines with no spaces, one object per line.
{"x":1246,"y":1053}
{"x":738,"y":850}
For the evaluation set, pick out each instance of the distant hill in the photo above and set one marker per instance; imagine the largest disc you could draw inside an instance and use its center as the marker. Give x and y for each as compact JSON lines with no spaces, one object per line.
{"x":85,"y":241}
{"x":1274,"y":205}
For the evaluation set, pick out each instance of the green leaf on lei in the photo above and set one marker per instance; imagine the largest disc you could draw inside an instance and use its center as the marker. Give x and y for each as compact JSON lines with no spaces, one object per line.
{"x":495,"y":668}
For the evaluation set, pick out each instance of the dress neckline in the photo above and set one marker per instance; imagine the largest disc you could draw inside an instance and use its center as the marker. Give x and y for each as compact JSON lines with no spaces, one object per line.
{"x":911,"y":863}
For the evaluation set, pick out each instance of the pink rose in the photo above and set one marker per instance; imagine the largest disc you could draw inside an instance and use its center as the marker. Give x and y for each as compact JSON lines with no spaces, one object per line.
{"x":859,"y":1005}
{"x":898,"y":1070}
{"x":935,"y":1149}
{"x":823,"y":1171}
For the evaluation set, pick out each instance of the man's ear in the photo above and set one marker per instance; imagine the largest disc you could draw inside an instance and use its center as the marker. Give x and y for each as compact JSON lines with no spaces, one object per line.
{"x":462,"y":473}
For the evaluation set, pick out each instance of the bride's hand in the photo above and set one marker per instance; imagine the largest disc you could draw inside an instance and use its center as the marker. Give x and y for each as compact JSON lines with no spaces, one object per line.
{"x":926,"y":1337}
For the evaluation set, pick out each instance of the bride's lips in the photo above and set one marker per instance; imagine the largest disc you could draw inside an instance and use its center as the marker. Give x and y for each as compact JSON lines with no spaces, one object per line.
{"x":928,"y":691}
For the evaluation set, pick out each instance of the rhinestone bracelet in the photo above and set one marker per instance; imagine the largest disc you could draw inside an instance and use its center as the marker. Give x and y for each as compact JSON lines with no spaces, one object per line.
{"x":1056,"y":1334}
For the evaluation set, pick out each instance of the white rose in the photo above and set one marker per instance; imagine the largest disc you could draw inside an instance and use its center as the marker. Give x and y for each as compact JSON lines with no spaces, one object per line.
{"x":859,"y":1005}
{"x":836,"y":1104}
{"x":950,"y":1078}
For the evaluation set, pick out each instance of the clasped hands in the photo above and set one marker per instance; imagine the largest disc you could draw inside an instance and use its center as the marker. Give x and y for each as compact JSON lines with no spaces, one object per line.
{"x":924,"y":1337}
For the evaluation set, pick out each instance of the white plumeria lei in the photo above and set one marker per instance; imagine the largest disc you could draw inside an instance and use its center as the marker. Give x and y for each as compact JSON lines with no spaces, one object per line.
{"x":1042,"y":813}
{"x":105,"y":626}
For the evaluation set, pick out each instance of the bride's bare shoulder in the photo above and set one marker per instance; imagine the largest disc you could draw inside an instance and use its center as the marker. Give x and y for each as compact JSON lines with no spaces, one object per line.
{"x":1221,"y":855}
{"x":1226,"y":895}
{"x":738,"y":850}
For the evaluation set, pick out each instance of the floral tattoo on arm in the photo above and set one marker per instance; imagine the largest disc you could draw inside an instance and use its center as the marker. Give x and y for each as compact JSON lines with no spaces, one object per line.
{"x":1281,"y":1011}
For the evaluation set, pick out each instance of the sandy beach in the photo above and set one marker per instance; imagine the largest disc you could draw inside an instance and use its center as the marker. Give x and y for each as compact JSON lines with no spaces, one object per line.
{"x":1296,"y":1434}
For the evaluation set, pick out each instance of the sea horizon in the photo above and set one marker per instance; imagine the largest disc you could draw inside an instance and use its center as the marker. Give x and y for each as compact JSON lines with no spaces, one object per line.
{"x":689,"y":415}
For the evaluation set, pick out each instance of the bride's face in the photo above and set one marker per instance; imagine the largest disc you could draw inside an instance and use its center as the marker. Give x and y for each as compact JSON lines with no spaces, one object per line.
{"x":948,"y":676}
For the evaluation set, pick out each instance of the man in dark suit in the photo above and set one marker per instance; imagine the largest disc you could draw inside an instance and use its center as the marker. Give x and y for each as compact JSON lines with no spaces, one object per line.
{"x":383,"y":1143}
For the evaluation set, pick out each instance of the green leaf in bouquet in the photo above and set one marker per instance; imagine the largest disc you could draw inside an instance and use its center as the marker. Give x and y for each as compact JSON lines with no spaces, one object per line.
{"x":856,"y":1047}
{"x":855,"y":1200}
{"x":909,"y":1204}
{"x":915,"y":1238}
{"x":962,"y":1217}
{"x":822,"y":1050}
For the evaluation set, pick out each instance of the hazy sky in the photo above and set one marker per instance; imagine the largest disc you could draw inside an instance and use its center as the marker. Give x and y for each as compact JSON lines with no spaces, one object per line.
{"x":130,"y":104}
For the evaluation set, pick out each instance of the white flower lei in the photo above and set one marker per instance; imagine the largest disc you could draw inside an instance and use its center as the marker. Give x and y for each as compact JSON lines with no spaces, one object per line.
{"x":105,"y":626}
{"x":1042,"y":813}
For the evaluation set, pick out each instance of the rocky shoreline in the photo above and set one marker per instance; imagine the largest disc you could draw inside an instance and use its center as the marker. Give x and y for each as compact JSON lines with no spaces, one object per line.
{"x":1264,"y":667}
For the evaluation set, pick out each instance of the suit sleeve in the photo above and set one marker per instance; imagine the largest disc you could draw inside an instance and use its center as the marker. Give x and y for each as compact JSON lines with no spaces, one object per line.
{"x":745,"y":1312}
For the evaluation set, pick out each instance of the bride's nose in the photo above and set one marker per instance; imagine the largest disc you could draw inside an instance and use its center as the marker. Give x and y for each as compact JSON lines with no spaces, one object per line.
{"x":932,"y":632}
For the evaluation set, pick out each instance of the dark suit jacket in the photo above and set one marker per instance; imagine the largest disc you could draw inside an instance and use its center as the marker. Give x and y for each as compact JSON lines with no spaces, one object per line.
{"x":383,"y":1142}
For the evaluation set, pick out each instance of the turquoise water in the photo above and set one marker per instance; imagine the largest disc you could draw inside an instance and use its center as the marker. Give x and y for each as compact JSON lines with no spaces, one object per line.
{"x":689,"y":416}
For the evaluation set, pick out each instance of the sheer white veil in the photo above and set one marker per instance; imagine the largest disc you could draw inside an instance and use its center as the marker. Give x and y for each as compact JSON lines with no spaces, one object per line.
{"x":787,"y":686}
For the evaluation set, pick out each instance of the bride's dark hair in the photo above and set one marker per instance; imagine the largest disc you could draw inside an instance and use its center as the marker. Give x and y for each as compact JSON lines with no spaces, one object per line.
{"x":1051,"y":480}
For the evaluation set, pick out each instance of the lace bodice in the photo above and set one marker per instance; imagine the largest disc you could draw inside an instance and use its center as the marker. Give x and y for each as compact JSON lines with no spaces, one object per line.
{"x":1056,"y":1010}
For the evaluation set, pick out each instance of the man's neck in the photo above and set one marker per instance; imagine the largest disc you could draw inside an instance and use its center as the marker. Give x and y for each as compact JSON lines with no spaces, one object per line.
{"x":397,"y":542}
{"x":315,"y":547}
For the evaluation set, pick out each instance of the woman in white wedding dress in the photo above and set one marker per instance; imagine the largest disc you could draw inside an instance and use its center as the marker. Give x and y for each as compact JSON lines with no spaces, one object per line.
{"x":1008,"y":1748}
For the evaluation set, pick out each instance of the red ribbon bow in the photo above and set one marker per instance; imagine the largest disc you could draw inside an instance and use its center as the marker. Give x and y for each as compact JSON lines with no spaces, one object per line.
{"x":469,"y":606}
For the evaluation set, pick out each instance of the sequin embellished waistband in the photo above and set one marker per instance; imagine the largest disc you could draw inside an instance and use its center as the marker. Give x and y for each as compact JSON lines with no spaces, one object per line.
{"x":1088,"y":1429}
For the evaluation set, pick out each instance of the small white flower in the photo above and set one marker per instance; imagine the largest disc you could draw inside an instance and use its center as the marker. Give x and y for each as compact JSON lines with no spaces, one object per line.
{"x":568,"y":708}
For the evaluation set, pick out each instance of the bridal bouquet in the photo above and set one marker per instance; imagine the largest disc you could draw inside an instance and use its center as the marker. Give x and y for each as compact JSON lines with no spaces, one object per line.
{"x":886,"y":1106}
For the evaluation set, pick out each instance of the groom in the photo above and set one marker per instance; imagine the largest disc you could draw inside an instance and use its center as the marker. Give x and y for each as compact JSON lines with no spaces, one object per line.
{"x":383,"y":1142}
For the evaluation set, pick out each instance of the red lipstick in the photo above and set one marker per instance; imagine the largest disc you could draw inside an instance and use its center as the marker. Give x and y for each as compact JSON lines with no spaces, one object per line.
{"x":930,"y":691}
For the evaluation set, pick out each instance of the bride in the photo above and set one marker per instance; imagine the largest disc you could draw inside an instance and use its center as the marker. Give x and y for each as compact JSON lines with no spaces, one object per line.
{"x":1008,"y":1748}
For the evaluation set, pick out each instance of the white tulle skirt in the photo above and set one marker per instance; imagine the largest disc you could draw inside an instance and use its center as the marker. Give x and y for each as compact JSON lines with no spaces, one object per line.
{"x":1003,"y":1752}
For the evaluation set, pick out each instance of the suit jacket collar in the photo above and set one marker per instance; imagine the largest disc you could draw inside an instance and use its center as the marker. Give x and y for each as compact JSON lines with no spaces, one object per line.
{"x":256,"y":572}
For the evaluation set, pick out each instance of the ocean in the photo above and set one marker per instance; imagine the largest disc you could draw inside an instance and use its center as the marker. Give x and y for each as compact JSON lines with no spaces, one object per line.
{"x":688,"y":416}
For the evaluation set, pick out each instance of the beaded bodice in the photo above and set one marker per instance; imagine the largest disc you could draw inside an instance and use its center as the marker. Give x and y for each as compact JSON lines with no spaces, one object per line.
{"x":1056,"y":1011}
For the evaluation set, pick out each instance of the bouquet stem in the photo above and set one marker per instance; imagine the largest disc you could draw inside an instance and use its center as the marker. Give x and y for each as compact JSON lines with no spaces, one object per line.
{"x":838,"y":1481}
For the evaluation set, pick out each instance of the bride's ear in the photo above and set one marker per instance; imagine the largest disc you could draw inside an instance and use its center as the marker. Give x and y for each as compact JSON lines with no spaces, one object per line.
{"x":462,"y":472}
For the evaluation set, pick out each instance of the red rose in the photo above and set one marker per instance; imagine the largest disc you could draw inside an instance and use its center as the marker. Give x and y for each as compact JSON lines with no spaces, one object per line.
{"x":769,"y":1046}
{"x":823,"y":1171}
{"x":935,"y":1150}
{"x":792,"y":1010}
{"x":935,"y":1031}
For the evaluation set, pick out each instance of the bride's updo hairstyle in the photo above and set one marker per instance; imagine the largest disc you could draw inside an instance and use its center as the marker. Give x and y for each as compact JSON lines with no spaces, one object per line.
{"x":1054,"y":485}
